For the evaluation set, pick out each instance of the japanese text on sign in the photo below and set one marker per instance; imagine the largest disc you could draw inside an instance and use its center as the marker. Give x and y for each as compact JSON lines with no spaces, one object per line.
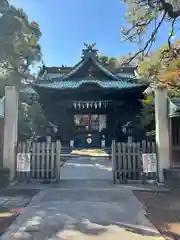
{"x":149,"y":162}
{"x":23,"y":162}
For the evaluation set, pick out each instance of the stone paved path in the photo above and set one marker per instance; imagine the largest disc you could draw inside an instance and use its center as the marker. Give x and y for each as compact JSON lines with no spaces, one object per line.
{"x":84,"y":205}
{"x":87,"y":168}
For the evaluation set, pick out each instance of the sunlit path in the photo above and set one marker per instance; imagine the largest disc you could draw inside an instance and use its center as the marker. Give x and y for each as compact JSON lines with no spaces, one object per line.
{"x":85,"y":205}
{"x":87,"y":168}
{"x":91,"y":152}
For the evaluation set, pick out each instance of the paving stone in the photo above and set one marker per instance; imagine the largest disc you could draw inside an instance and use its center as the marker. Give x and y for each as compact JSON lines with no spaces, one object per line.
{"x":2,"y":202}
{"x":23,"y":236}
{"x":83,"y":213}
{"x":39,"y":236}
{"x":16,"y":202}
{"x":4,"y":199}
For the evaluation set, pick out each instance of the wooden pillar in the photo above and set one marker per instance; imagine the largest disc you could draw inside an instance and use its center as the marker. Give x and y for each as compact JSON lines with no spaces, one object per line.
{"x":113,"y":148}
{"x":58,"y":160}
{"x":162,"y":130}
{"x":10,"y":130}
{"x":114,"y":120}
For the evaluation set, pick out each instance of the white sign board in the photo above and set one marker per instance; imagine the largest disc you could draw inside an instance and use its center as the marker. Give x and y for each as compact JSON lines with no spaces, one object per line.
{"x":149,"y":162}
{"x":23,"y":162}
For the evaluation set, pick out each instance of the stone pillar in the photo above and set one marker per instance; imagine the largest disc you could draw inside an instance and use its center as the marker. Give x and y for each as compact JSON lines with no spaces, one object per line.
{"x":10,"y":130}
{"x":162,"y":131}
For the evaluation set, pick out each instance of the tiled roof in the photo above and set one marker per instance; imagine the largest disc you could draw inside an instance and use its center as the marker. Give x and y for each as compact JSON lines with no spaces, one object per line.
{"x":28,"y":90}
{"x":74,"y":78}
{"x":62,"y":69}
{"x":96,"y":62}
{"x":77,"y":83}
{"x":126,"y":75}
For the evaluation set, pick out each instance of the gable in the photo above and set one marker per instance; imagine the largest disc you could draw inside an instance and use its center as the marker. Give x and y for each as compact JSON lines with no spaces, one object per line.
{"x":89,"y":70}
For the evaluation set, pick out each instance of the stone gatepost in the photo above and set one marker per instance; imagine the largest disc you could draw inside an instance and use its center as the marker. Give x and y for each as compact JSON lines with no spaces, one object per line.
{"x":162,"y":129}
{"x":10,"y":130}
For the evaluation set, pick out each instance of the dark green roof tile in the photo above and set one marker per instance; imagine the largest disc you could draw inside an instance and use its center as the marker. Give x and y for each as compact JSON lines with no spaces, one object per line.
{"x":59,"y":84}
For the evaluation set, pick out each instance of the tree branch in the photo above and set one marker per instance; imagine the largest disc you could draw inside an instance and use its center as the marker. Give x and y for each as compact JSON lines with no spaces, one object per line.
{"x":171,"y":33}
{"x":149,"y":41}
{"x":168,"y":8}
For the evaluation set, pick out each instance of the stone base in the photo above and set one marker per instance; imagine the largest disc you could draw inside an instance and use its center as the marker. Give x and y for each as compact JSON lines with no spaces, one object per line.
{"x":172,"y":174}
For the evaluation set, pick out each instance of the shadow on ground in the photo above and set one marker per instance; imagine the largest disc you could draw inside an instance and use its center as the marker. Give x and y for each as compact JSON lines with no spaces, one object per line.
{"x":78,"y":229}
{"x":12,"y":203}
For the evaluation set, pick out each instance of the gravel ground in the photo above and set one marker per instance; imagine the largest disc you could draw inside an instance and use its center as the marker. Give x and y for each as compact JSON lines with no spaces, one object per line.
{"x":163,"y":210}
{"x":12,"y":203}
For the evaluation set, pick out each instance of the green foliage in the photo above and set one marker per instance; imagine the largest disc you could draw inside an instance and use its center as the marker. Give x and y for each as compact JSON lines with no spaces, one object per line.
{"x":144,"y":21}
{"x":114,"y":63}
{"x":109,"y":62}
{"x":19,"y":51}
{"x":162,"y":72}
{"x":148,"y":117}
{"x":156,"y":69}
{"x":31,"y":119}
{"x":19,"y":48}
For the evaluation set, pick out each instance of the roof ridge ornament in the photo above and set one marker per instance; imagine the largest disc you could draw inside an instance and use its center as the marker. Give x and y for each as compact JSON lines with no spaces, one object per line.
{"x":90,"y":47}
{"x":89,"y":51}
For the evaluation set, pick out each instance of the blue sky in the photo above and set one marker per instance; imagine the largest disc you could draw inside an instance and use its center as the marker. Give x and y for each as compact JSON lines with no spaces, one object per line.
{"x":67,"y":24}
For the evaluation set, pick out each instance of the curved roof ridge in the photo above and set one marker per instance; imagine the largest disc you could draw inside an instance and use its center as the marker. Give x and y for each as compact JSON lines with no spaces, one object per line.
{"x":96,"y":62}
{"x":104,"y":69}
{"x":75,"y":69}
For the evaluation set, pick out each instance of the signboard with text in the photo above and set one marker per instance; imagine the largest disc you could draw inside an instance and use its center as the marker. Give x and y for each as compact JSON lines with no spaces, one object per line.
{"x":23,"y":162}
{"x":149,"y":162}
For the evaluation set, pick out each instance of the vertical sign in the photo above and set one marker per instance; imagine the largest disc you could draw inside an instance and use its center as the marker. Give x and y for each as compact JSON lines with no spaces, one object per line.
{"x":23,"y":162}
{"x":149,"y":162}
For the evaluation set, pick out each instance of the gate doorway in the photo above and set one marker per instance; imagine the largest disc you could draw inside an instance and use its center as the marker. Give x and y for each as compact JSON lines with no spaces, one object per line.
{"x":87,"y":165}
{"x":47,"y":160}
{"x":88,"y":129}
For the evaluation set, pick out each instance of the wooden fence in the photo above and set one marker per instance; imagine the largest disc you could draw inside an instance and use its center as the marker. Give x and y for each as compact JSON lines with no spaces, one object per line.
{"x":45,"y":161}
{"x":127,"y":161}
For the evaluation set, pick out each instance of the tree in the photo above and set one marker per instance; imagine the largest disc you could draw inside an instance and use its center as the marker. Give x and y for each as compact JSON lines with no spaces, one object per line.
{"x":31,"y":119}
{"x":19,"y":51}
{"x":145,"y":19}
{"x":19,"y":47}
{"x":114,"y":63}
{"x":109,"y":62}
{"x":168,"y":74}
